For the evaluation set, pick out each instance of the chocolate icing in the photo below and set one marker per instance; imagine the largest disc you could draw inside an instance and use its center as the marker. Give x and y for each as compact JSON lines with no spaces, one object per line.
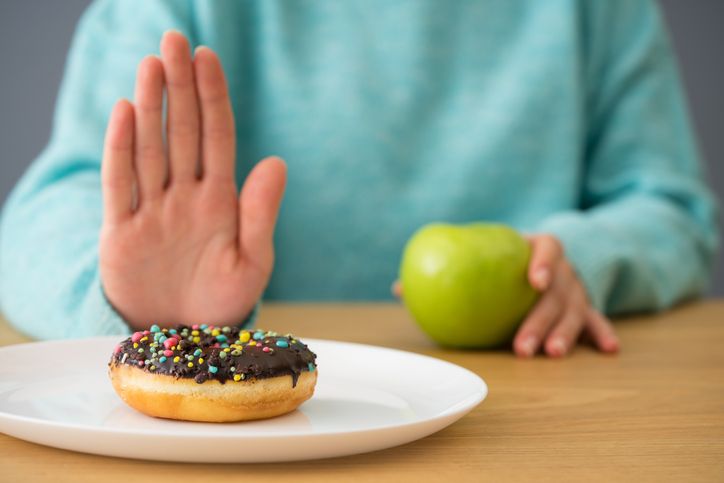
{"x":246,"y":356}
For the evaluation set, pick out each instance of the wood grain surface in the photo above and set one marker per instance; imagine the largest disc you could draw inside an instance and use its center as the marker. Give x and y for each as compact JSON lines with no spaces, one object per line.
{"x":654,"y":412}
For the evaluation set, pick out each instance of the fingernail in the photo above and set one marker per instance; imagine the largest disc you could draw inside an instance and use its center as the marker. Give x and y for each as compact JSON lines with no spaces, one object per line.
{"x":527,"y":346}
{"x":612,"y":345}
{"x":557,"y":348}
{"x":541,"y":278}
{"x":200,"y":47}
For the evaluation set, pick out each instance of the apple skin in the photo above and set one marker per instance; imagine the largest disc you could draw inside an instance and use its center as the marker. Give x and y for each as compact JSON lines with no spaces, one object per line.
{"x":467,"y":285}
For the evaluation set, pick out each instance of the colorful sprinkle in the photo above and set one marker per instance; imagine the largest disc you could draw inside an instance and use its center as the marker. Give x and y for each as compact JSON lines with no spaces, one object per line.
{"x":206,"y":345}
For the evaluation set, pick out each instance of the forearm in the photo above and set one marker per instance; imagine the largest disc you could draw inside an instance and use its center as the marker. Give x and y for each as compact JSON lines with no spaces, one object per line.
{"x":645,"y":233}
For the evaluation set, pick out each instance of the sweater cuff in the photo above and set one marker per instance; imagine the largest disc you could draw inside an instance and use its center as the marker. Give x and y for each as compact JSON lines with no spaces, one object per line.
{"x":586,"y":251}
{"x":100,"y":316}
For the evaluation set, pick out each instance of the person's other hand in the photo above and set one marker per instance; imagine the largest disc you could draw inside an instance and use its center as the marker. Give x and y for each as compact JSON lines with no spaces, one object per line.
{"x":178,"y":245}
{"x":563,"y":311}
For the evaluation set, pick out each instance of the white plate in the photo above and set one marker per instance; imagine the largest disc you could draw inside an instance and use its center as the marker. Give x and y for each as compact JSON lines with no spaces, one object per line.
{"x":367,"y":398}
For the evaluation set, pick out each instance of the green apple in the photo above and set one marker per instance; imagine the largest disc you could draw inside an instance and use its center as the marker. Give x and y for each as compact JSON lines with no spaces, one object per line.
{"x":467,"y":285}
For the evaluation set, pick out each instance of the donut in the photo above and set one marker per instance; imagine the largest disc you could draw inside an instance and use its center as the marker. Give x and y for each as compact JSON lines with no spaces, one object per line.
{"x":212,"y":374}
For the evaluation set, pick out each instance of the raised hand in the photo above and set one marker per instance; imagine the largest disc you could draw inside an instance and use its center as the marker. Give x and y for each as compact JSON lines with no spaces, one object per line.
{"x":177,"y":244}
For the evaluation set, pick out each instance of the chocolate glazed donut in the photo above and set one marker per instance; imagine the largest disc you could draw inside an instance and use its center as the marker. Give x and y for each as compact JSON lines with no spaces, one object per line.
{"x":212,"y":374}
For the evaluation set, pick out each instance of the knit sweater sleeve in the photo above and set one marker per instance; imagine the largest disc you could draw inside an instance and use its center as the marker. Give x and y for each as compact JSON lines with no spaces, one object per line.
{"x":646,"y":233}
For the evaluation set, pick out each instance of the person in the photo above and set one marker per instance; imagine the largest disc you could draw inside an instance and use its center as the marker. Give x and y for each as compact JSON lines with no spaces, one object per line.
{"x":564,"y":120}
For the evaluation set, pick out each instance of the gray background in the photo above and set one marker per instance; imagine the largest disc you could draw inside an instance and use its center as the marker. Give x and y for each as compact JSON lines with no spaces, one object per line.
{"x":35,"y":35}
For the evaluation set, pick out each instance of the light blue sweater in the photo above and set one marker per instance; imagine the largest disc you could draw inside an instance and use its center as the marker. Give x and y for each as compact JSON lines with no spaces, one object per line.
{"x":560,"y":116}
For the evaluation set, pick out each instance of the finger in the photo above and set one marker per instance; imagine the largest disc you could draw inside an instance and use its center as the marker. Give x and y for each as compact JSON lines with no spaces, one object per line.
{"x":537,"y":324}
{"x":117,"y":166}
{"x":149,"y":148}
{"x":547,"y":251}
{"x":396,"y":289}
{"x":217,"y":118}
{"x":602,"y":332}
{"x":183,"y":113}
{"x":260,"y":199}
{"x":565,"y":333}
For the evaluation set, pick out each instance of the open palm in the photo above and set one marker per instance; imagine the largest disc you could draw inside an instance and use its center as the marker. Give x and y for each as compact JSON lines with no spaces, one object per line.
{"x":177,"y":244}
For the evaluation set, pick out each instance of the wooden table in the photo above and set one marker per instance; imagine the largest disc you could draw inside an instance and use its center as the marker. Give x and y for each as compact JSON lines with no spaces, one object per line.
{"x":655,"y":412}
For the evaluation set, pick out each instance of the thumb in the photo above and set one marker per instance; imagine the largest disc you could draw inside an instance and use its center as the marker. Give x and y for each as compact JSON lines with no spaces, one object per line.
{"x":547,"y":252}
{"x":259,"y":201}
